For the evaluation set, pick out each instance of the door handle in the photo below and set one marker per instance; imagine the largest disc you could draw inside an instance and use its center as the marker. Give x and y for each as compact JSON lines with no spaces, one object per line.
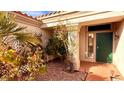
{"x":97,"y":47}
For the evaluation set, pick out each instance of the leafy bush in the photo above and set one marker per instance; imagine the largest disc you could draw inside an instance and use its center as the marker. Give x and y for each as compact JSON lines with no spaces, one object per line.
{"x":57,"y":44}
{"x":22,"y":64}
{"x":18,"y":67}
{"x":63,"y":44}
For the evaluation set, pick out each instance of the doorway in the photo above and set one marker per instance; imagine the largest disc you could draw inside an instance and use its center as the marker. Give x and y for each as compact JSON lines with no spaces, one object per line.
{"x":104,"y":47}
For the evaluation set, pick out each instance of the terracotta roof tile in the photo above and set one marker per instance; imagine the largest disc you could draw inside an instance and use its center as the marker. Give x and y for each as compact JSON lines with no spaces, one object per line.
{"x":49,"y":14}
{"x":24,"y":14}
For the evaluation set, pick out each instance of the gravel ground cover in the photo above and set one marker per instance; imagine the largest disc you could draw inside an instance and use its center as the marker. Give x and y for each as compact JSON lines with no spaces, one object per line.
{"x":55,"y":72}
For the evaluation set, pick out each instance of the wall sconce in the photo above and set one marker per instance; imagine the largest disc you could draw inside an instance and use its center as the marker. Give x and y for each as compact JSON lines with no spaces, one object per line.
{"x":116,"y":35}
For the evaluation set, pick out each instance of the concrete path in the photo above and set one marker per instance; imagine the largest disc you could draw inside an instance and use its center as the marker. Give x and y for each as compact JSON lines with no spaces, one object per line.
{"x":100,"y":71}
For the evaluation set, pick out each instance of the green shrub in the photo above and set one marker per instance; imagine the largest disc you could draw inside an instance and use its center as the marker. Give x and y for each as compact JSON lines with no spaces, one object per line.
{"x":22,"y":65}
{"x":58,"y":44}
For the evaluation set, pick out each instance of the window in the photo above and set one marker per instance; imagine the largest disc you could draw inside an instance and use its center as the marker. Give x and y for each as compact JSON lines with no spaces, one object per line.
{"x":90,"y":45}
{"x":99,"y":27}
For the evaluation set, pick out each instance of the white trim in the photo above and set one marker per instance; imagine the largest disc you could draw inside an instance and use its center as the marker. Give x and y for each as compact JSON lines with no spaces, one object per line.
{"x":103,"y":17}
{"x":55,"y":15}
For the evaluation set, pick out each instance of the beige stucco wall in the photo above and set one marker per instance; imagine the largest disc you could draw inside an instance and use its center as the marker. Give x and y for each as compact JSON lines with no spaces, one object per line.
{"x":33,"y":26}
{"x":118,"y":55}
{"x":82,"y":43}
{"x":37,"y":31}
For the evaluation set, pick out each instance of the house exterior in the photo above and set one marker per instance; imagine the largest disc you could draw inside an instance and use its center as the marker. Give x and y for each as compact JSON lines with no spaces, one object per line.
{"x":32,"y":25}
{"x":98,"y":35}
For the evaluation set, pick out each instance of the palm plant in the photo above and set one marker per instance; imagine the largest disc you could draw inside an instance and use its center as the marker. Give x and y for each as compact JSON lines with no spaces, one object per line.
{"x":10,"y":32}
{"x":10,"y":29}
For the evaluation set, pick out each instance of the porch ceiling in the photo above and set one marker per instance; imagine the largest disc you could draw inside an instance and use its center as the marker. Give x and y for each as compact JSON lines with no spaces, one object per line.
{"x":89,"y":19}
{"x":103,"y":20}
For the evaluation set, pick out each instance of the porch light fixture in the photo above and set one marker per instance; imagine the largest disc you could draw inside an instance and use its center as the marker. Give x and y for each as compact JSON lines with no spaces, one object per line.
{"x":116,"y":35}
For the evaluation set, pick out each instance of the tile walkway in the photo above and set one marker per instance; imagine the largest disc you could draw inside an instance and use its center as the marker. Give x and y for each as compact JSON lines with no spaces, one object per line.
{"x":100,"y":71}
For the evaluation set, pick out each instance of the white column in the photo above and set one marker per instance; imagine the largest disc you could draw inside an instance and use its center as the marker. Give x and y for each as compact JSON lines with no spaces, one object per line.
{"x":73,"y":46}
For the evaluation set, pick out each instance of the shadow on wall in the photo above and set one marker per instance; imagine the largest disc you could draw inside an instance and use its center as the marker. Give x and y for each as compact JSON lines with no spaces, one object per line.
{"x":118,"y":27}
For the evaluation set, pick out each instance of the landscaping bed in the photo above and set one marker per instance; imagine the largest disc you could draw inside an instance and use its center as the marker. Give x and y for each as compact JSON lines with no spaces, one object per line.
{"x":55,"y":72}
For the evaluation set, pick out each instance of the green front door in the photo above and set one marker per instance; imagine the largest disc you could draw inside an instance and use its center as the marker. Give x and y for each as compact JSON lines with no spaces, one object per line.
{"x":104,"y":47}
